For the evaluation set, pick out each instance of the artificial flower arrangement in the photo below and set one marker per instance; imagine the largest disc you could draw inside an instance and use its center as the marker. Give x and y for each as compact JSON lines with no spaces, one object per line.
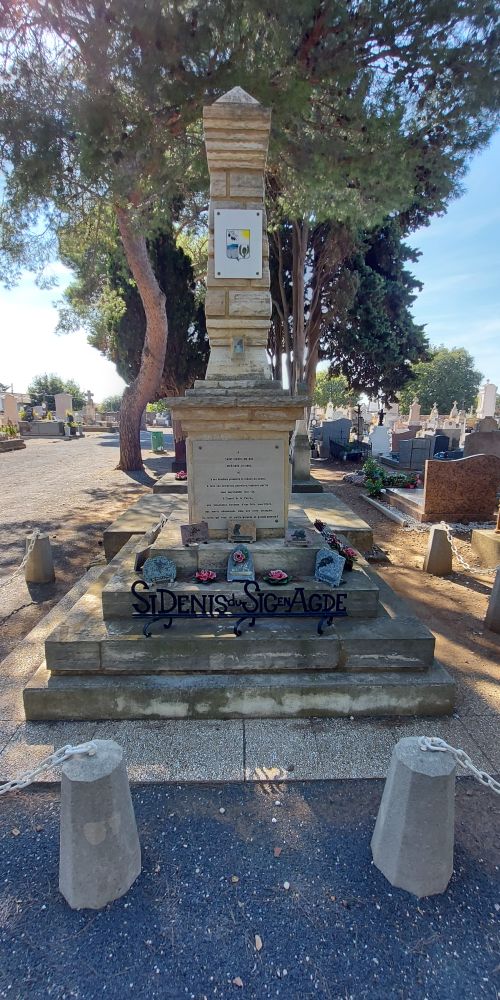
{"x":239,"y":556}
{"x":205,"y":576}
{"x":276,"y":577}
{"x":181,"y":476}
{"x":350,"y":555}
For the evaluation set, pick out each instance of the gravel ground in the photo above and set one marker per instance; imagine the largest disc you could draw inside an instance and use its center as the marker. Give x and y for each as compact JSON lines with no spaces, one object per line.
{"x":214,"y":877}
{"x":72,"y":490}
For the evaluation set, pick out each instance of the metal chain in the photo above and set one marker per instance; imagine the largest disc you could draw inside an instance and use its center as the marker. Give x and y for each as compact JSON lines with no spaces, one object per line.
{"x":53,"y":760}
{"x":435,"y":743}
{"x":31,"y":544}
{"x":460,"y":558}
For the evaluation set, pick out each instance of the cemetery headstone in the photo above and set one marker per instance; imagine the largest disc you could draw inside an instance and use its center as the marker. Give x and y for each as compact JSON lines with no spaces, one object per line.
{"x":414,"y":415}
{"x":487,"y":400}
{"x":380,"y":440}
{"x":482,"y":443}
{"x":64,"y":403}
{"x":464,"y":490}
{"x":441,"y":443}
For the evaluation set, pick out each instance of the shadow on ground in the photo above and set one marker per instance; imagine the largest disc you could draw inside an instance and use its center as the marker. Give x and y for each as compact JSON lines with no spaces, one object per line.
{"x":222,"y":864}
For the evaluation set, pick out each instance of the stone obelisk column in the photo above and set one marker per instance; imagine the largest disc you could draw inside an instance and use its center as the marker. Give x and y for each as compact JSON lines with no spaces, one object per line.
{"x":238,"y":421}
{"x":238,"y":300}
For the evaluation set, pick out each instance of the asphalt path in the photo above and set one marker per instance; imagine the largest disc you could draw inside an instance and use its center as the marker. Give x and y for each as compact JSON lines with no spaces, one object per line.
{"x":263,"y":890}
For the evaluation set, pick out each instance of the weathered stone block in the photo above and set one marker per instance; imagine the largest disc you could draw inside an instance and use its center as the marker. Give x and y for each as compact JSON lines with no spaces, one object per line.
{"x":39,"y":567}
{"x":438,"y":558}
{"x":215,"y":302}
{"x":412,"y":843}
{"x":250,"y":304}
{"x":100,"y":855}
{"x":492,"y":620}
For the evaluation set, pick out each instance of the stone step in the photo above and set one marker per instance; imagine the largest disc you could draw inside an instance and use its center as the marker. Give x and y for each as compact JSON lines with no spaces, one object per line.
{"x":87,"y":643}
{"x":360,"y":600}
{"x":226,"y":696}
{"x":190,"y":647}
{"x":141,"y":516}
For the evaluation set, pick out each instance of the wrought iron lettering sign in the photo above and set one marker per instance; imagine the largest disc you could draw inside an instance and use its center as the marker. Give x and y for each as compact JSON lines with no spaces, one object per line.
{"x":159,"y":604}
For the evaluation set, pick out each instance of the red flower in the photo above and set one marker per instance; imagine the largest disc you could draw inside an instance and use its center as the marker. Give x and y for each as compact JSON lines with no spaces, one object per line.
{"x":277,"y":574}
{"x":239,"y":556}
{"x":206,"y":575}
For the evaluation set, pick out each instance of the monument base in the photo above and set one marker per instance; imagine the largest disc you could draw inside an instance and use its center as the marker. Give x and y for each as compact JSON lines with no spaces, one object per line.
{"x":374,"y":658}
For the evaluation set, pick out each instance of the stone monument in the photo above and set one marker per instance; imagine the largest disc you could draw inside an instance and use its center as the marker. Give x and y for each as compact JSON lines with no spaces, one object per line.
{"x":10,"y":411}
{"x":414,"y":415}
{"x":249,"y":622}
{"x":238,"y":421}
{"x":64,"y":403}
{"x":487,"y":400}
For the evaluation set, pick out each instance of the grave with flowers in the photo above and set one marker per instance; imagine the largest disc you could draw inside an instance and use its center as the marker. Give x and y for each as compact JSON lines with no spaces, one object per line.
{"x":246,"y":599}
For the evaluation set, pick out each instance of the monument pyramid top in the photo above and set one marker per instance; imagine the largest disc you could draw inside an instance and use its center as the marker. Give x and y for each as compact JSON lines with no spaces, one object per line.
{"x":236,"y":96}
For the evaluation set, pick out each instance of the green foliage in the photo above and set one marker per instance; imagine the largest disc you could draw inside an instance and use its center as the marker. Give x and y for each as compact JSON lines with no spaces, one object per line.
{"x":375,"y":478}
{"x":378,"y":479}
{"x":9,"y":430}
{"x":45,"y":387}
{"x":448,"y":375}
{"x":111,"y":309}
{"x":334,"y":389}
{"x":371,"y":338}
{"x":160,"y":406}
{"x":111,"y":404}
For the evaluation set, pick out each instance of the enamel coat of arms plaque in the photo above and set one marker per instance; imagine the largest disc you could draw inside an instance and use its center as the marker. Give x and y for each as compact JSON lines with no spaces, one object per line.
{"x":237,"y":243}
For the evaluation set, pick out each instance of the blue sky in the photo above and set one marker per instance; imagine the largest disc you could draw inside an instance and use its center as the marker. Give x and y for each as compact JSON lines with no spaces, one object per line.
{"x":460,"y":301}
{"x":460,"y":268}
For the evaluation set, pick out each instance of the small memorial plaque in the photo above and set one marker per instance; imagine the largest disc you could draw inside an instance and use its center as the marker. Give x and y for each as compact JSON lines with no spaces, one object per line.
{"x":240,"y":565}
{"x":241,"y":531}
{"x":329,"y":567}
{"x":300,"y":536}
{"x":192,"y":534}
{"x":159,"y":569}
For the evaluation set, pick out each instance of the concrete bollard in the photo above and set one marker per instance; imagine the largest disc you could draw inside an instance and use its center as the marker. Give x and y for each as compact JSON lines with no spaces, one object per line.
{"x":100,"y":854}
{"x":438,"y":558}
{"x":492,"y":619}
{"x":39,"y":566}
{"x":412,"y":842}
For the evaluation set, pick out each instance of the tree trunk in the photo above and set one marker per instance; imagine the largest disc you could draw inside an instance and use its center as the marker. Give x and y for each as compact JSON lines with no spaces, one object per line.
{"x":299,"y":244}
{"x":138,"y":394}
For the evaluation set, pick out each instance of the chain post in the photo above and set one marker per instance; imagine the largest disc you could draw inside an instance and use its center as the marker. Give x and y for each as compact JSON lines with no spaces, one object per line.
{"x":459,"y":558}
{"x":53,"y":760}
{"x":36,"y":532}
{"x":437,"y":744}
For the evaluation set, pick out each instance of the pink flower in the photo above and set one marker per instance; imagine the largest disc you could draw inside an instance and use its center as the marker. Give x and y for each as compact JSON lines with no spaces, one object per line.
{"x":239,"y":556}
{"x":182,"y":475}
{"x":277,"y":574}
{"x":206,"y":575}
{"x":350,"y":553}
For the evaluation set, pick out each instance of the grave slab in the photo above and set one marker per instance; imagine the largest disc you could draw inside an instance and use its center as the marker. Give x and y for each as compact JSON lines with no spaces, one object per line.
{"x":486,"y":544}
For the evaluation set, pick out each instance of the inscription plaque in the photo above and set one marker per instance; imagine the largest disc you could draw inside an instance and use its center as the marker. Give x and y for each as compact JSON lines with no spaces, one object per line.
{"x":239,"y":480}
